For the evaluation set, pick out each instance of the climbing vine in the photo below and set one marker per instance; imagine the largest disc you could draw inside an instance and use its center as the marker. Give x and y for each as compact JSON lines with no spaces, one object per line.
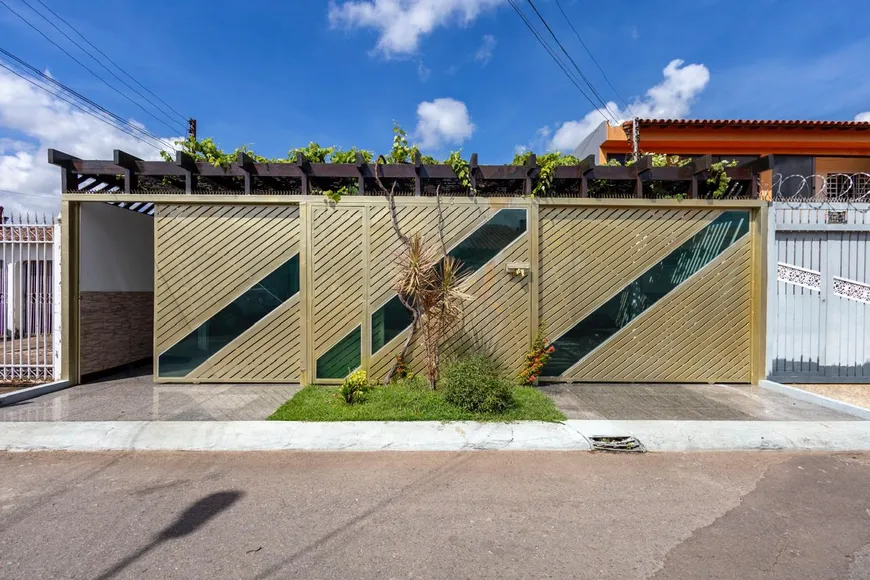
{"x":461,"y":169}
{"x":547,"y":164}
{"x":401,"y":151}
{"x":718,"y":178}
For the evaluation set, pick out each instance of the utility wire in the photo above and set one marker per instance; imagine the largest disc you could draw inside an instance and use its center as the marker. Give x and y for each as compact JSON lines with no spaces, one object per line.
{"x":556,"y":58}
{"x":78,"y":96}
{"x":589,"y":52}
{"x":83,"y":65}
{"x":570,"y":58}
{"x":56,"y":15}
{"x":43,"y":195}
{"x":77,"y":106}
{"x":182,"y":117}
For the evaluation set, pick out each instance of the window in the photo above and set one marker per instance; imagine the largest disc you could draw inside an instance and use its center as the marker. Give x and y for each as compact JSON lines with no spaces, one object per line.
{"x":847,"y":186}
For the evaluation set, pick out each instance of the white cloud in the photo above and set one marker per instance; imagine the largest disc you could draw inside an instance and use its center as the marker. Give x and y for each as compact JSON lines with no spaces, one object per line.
{"x":484,"y":53}
{"x":863,"y":117}
{"x":670,"y":99}
{"x":401,"y":24}
{"x":44,"y":121}
{"x":423,"y":72}
{"x":442,"y":122}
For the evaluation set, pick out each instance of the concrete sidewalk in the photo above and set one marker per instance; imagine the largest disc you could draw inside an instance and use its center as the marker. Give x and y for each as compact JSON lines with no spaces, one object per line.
{"x":431,"y":436}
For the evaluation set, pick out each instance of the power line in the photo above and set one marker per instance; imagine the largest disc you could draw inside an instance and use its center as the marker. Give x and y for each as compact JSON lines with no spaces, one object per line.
{"x":556,"y":58}
{"x":586,"y":48}
{"x":168,"y":116}
{"x":76,"y":105}
{"x":84,"y":66}
{"x":580,"y":72}
{"x":42,"y":195}
{"x":82,"y":98}
{"x":182,"y":117}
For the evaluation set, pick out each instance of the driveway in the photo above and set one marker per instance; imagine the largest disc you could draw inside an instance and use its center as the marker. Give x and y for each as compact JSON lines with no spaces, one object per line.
{"x":683,"y":403}
{"x":133,"y":396}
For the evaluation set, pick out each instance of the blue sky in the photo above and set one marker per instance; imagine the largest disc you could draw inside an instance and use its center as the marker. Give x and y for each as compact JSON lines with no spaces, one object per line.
{"x":279,"y":74}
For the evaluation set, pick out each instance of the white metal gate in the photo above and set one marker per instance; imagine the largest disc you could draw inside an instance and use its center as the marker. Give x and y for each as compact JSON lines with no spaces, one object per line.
{"x":28,"y":275}
{"x":819,"y":292}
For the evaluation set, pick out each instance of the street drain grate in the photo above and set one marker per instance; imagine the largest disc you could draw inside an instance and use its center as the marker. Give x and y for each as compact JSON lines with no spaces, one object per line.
{"x":622,"y":444}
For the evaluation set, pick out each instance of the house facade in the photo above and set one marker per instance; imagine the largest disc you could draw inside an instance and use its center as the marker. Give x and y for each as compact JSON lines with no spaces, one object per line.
{"x":822,"y":159}
{"x":249,"y":273}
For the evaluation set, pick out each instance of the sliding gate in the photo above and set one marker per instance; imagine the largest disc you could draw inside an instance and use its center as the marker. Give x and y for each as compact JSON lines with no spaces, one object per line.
{"x":647,"y":294}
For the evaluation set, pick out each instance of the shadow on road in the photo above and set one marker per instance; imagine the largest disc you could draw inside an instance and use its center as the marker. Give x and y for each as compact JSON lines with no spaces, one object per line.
{"x":188,"y":522}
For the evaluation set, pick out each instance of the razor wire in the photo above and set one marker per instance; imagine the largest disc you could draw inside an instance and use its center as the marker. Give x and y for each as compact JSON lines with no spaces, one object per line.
{"x":851,"y":189}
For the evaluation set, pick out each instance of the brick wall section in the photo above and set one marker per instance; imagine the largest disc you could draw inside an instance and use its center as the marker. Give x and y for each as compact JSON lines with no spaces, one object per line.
{"x":116,"y":329}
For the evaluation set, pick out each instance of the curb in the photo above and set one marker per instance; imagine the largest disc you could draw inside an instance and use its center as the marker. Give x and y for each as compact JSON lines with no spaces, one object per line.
{"x":31,"y":392}
{"x":820,"y":400}
{"x":431,"y":436}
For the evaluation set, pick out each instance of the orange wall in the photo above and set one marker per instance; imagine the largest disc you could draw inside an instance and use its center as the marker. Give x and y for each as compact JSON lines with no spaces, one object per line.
{"x":825,"y":165}
{"x":741,"y":141}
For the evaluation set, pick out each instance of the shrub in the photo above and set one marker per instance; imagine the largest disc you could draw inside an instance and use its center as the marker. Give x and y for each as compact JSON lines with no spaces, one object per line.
{"x":354,"y":388}
{"x":536,"y":358}
{"x":401,"y":371}
{"x":473,"y":384}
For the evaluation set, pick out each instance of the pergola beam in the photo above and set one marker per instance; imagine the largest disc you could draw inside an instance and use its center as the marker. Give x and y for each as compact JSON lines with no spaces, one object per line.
{"x":275,"y":175}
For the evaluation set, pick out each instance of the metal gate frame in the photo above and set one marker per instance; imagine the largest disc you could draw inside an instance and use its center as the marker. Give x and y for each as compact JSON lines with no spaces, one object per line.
{"x":824,"y":224}
{"x":757,"y":232}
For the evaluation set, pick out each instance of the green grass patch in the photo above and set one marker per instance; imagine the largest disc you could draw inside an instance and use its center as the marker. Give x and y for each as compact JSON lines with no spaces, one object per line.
{"x":408,"y":402}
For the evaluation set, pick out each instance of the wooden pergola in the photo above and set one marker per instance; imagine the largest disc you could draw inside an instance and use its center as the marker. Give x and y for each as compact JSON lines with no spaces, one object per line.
{"x":127,"y":174}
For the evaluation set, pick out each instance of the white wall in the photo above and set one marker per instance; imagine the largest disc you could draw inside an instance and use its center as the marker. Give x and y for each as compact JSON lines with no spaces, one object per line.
{"x":117,"y":249}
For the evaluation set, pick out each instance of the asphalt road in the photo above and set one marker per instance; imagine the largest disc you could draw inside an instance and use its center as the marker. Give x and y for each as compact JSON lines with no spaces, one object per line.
{"x":434,"y":515}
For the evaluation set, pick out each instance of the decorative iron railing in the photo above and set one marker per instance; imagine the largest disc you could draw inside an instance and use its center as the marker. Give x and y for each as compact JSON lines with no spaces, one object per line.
{"x":28,"y":257}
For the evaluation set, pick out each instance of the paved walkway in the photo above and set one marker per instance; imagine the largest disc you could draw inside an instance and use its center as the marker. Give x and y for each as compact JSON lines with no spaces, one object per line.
{"x":683,"y":403}
{"x":858,"y":394}
{"x":434,"y":515}
{"x":135,"y":397}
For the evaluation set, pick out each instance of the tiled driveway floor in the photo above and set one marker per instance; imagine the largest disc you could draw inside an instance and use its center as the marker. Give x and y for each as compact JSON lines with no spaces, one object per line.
{"x":858,"y":394}
{"x":135,"y":397}
{"x":683,"y":402}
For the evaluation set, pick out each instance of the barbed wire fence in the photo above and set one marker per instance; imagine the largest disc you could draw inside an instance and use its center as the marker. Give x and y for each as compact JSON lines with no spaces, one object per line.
{"x":834,"y":189}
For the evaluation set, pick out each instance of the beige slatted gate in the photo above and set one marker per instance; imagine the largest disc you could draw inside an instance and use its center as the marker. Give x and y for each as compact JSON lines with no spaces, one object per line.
{"x":210,"y":265}
{"x":640,"y":294}
{"x":629,"y":290}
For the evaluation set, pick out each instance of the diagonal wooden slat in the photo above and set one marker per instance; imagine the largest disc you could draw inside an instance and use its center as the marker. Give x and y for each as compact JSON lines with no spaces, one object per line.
{"x":697,"y":333}
{"x":268,"y":351}
{"x":207,"y":256}
{"x":589,"y":254}
{"x":458,"y":222}
{"x":337,"y":275}
{"x":496,"y":322}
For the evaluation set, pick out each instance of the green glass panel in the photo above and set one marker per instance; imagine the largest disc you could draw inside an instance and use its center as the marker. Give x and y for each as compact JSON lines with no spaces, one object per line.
{"x":481,"y":246}
{"x":495,"y":235}
{"x":649,"y":288}
{"x":343,"y":358}
{"x":231,"y":321}
{"x":388,"y":322}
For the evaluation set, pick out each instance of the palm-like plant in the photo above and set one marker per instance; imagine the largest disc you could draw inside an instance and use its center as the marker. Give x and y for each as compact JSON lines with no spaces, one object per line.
{"x":434,"y":291}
